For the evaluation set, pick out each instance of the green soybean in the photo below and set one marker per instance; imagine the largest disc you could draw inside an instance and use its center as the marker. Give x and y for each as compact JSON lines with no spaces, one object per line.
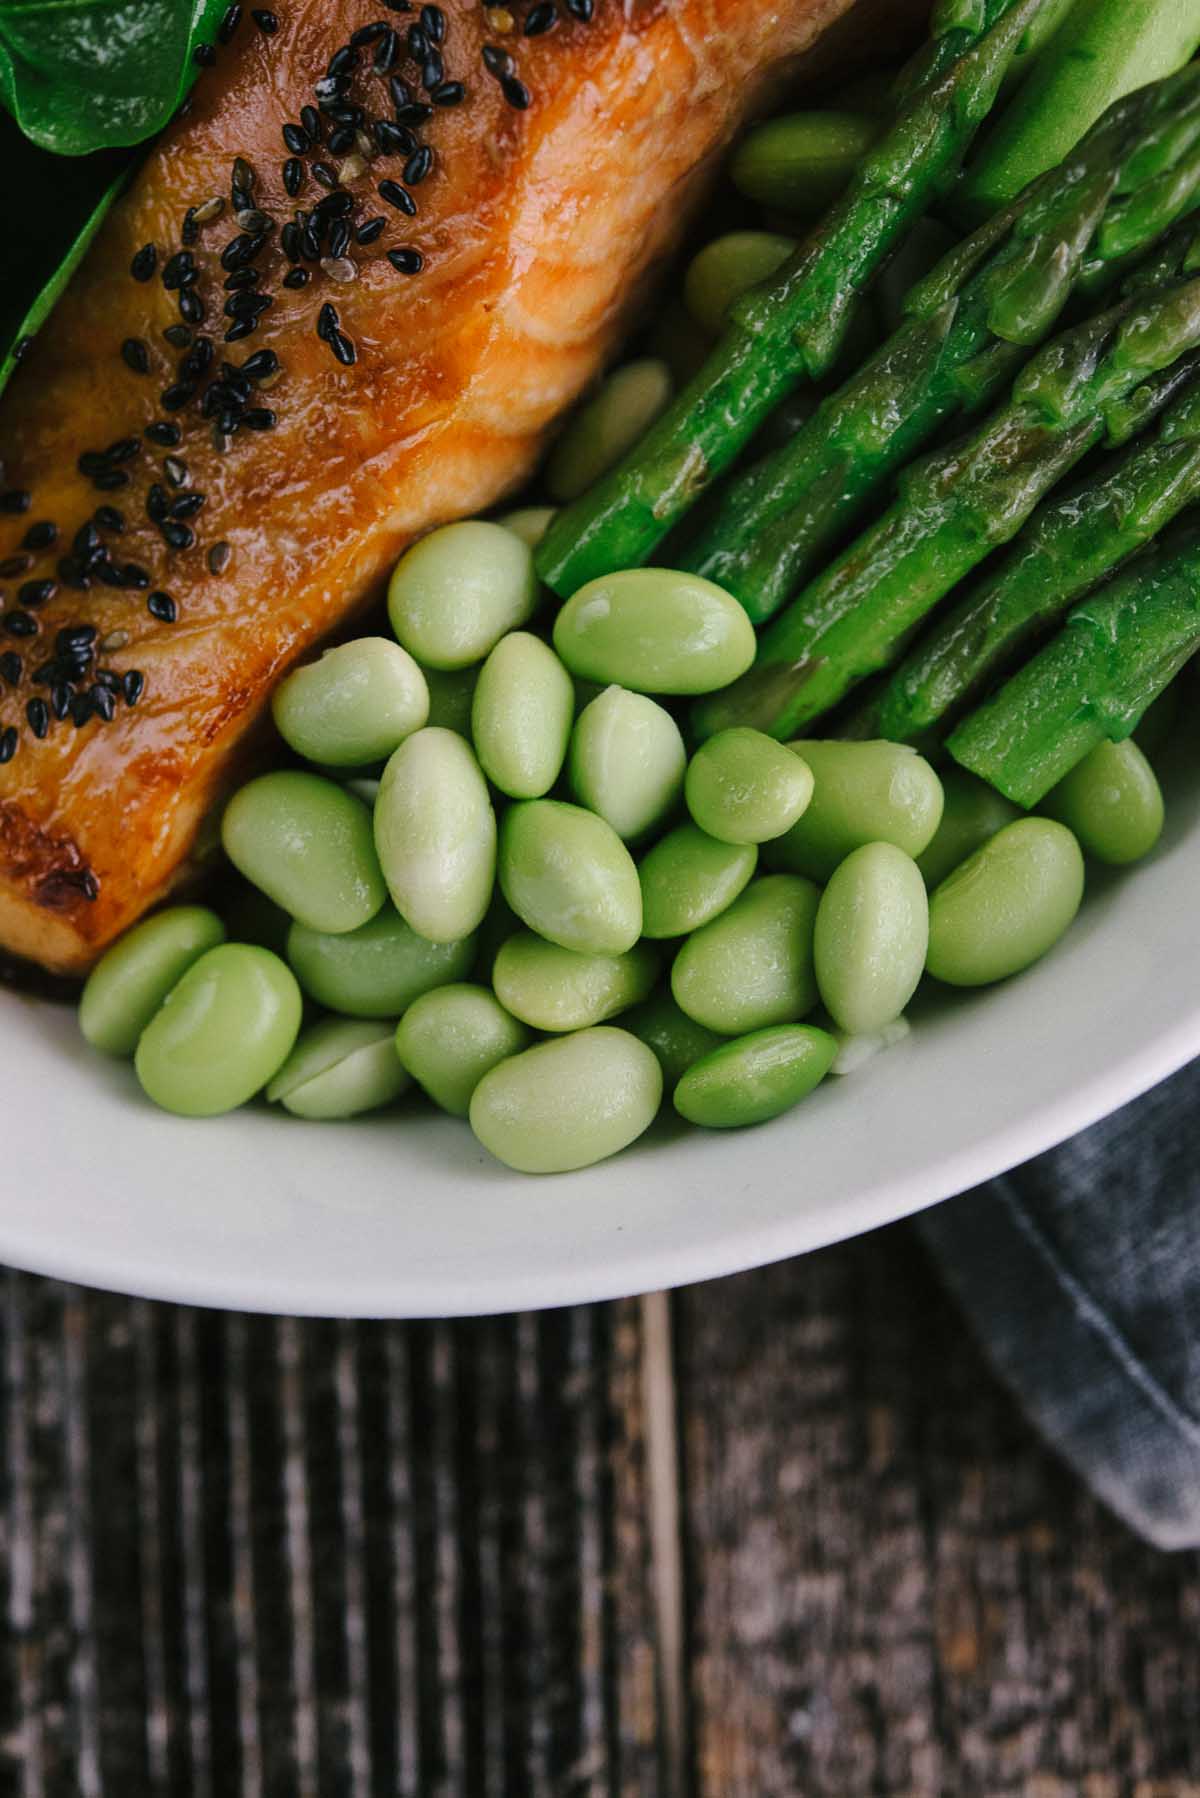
{"x":752,"y":966}
{"x":1006,"y":905}
{"x":521,"y":716}
{"x":801,"y":162}
{"x":529,"y":522}
{"x":354,"y":705}
{"x":606,"y":425}
{"x":455,"y":593}
{"x":451,"y":697}
{"x":871,"y":937}
{"x":340,"y":1068}
{"x":568,"y":1103}
{"x":689,"y":878}
{"x":755,"y":1077}
{"x":728,"y":267}
{"x":1112,"y":801}
{"x":676,"y":1039}
{"x":972,"y":813}
{"x":131,"y":980}
{"x":567,"y":875}
{"x":435,"y":832}
{"x":627,"y":761}
{"x":656,"y":631}
{"x":223,"y":1031}
{"x":451,"y":1038}
{"x":557,"y":989}
{"x":306,"y":843}
{"x":862,"y":793}
{"x":744,"y":787}
{"x":378,"y":970}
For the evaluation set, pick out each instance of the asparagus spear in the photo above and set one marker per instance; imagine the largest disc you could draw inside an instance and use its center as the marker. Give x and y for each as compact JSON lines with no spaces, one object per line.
{"x":971,"y":324}
{"x":791,"y":327}
{"x":1070,"y":544}
{"x":953,"y":509}
{"x":1095,"y":679}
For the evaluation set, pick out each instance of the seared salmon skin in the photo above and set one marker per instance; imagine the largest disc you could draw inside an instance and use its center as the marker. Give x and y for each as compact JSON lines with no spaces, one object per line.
{"x":345,"y":297}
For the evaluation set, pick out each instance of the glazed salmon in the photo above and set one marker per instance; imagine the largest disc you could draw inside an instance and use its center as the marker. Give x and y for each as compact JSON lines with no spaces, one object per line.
{"x":217,"y":507}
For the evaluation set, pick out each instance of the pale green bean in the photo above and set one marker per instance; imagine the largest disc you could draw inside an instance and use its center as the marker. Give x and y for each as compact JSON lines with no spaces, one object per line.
{"x":568,"y":1103}
{"x":451,"y":1038}
{"x":871,"y":938}
{"x":744,"y":787}
{"x":728,"y":267}
{"x":800,"y":162}
{"x":1112,"y":801}
{"x":755,"y":1077}
{"x":521,"y":716}
{"x":627,"y":761}
{"x":131,"y":980}
{"x":1006,"y":905}
{"x":378,"y":970}
{"x":606,"y":425}
{"x":567,"y":875}
{"x":455,"y":593}
{"x":862,"y":793}
{"x":340,"y":1068}
{"x":557,"y":989}
{"x":656,"y":631}
{"x":753,"y":965}
{"x":353,"y":706}
{"x":676,"y":1039}
{"x":221,"y":1033}
{"x":306,"y":843}
{"x":689,"y":878}
{"x":435,"y":832}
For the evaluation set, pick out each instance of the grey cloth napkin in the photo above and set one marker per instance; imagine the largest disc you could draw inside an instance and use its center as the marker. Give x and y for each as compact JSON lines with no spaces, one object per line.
{"x":1081,"y":1273}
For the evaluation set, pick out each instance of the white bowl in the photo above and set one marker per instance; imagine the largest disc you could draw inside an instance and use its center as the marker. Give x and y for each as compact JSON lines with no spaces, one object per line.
{"x":407,"y":1217}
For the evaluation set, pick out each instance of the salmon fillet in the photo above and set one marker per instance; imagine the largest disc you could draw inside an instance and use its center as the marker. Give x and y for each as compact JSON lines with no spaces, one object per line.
{"x":554,"y":189}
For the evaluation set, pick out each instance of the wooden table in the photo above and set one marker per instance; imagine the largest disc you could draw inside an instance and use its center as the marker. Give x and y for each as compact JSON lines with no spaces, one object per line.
{"x":777,"y":1535}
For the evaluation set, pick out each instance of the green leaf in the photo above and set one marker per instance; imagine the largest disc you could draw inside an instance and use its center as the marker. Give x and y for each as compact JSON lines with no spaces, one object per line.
{"x":82,"y":75}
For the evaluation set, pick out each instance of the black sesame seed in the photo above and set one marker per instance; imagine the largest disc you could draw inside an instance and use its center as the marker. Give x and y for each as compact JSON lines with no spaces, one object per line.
{"x":541,"y":18}
{"x":295,"y":277}
{"x":393,"y":139}
{"x":310,"y":242}
{"x":196,"y":364}
{"x":408,"y":261}
{"x":110,"y":481}
{"x":325,"y":173}
{"x":241,"y":328}
{"x":106,"y":677}
{"x":400,"y":91}
{"x":293,"y":176}
{"x":266,"y":21}
{"x":178,"y":336}
{"x":134,"y":575}
{"x":433,"y":71}
{"x":74,"y":637}
{"x":516,"y":93}
{"x":418,"y":43}
{"x":191,"y":307}
{"x":123,"y":450}
{"x":241,"y":199}
{"x":371,"y":230}
{"x":20,"y":624}
{"x":387,"y":54}
{"x":263,"y":362}
{"x":87,"y":540}
{"x":581,"y":10}
{"x":449,"y":93}
{"x":327,"y":320}
{"x":38,"y":714}
{"x":416,"y":112}
{"x":255,"y":221}
{"x":247,"y":305}
{"x":398,"y":5}
{"x":14,"y":565}
{"x":259,"y":418}
{"x":297,"y":140}
{"x":8,"y":744}
{"x":81,"y":710}
{"x":144,"y":263}
{"x":103,"y":703}
{"x":230,"y":21}
{"x":333,"y":206}
{"x":178,"y":536}
{"x":175,"y":397}
{"x":366,"y":34}
{"x":36,"y":593}
{"x":204,"y":56}
{"x":163,"y":432}
{"x":291,"y":238}
{"x":218,"y":558}
{"x":157,"y":504}
{"x":339,"y":238}
{"x":107,"y":518}
{"x":40,"y":535}
{"x":341,"y":140}
{"x":343,"y":348}
{"x":133,"y":686}
{"x":135,"y":355}
{"x":310,"y":122}
{"x":342,"y":61}
{"x":179,"y":269}
{"x":433,"y":23}
{"x":240,"y":280}
{"x":61,"y":695}
{"x":189,"y":231}
{"x":496,"y":61}
{"x":109,"y":573}
{"x":418,"y":166}
{"x":10,"y":667}
{"x":187,"y":505}
{"x":243,"y":177}
{"x":398,"y":196}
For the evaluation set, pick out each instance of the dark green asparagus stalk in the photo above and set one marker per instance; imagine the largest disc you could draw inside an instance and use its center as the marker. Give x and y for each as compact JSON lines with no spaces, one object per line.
{"x":1095,"y":679}
{"x":953,"y":510}
{"x":1069,"y":545}
{"x":971,"y":324}
{"x":790,"y":328}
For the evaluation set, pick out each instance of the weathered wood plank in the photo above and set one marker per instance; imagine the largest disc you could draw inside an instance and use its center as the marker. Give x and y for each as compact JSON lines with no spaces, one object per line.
{"x":273,"y":1559}
{"x":894,"y":1588}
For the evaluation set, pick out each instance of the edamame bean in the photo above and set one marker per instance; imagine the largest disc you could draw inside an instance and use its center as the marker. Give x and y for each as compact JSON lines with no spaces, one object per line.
{"x":451,"y":696}
{"x":455,"y":593}
{"x":606,"y":425}
{"x":221,"y":1033}
{"x":451,"y":1038}
{"x":435,"y":831}
{"x":529,"y":522}
{"x":627,"y":761}
{"x":728,"y":267}
{"x":752,"y":966}
{"x":972,"y":813}
{"x":567,"y":875}
{"x":755,"y":1077}
{"x":307,"y":844}
{"x":567,"y":1103}
{"x":558,"y":989}
{"x":862,"y":793}
{"x":744,"y":787}
{"x":689,"y":877}
{"x":340,"y":1068}
{"x":1112,"y":801}
{"x":1006,"y":905}
{"x":871,"y":937}
{"x":130,"y":981}
{"x":676,"y":1039}
{"x":521,"y":716}
{"x":378,"y":970}
{"x":656,"y":631}
{"x":355,"y":705}
{"x":801,"y":162}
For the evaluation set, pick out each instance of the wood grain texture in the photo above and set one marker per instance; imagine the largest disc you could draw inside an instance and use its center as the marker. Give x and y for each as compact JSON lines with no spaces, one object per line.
{"x":894,"y":1588}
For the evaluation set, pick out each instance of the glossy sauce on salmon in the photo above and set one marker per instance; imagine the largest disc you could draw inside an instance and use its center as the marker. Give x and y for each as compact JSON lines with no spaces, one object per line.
{"x":534,"y":230}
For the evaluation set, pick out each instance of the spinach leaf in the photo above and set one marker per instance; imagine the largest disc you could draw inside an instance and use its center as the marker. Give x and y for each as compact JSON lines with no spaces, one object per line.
{"x":81,"y":75}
